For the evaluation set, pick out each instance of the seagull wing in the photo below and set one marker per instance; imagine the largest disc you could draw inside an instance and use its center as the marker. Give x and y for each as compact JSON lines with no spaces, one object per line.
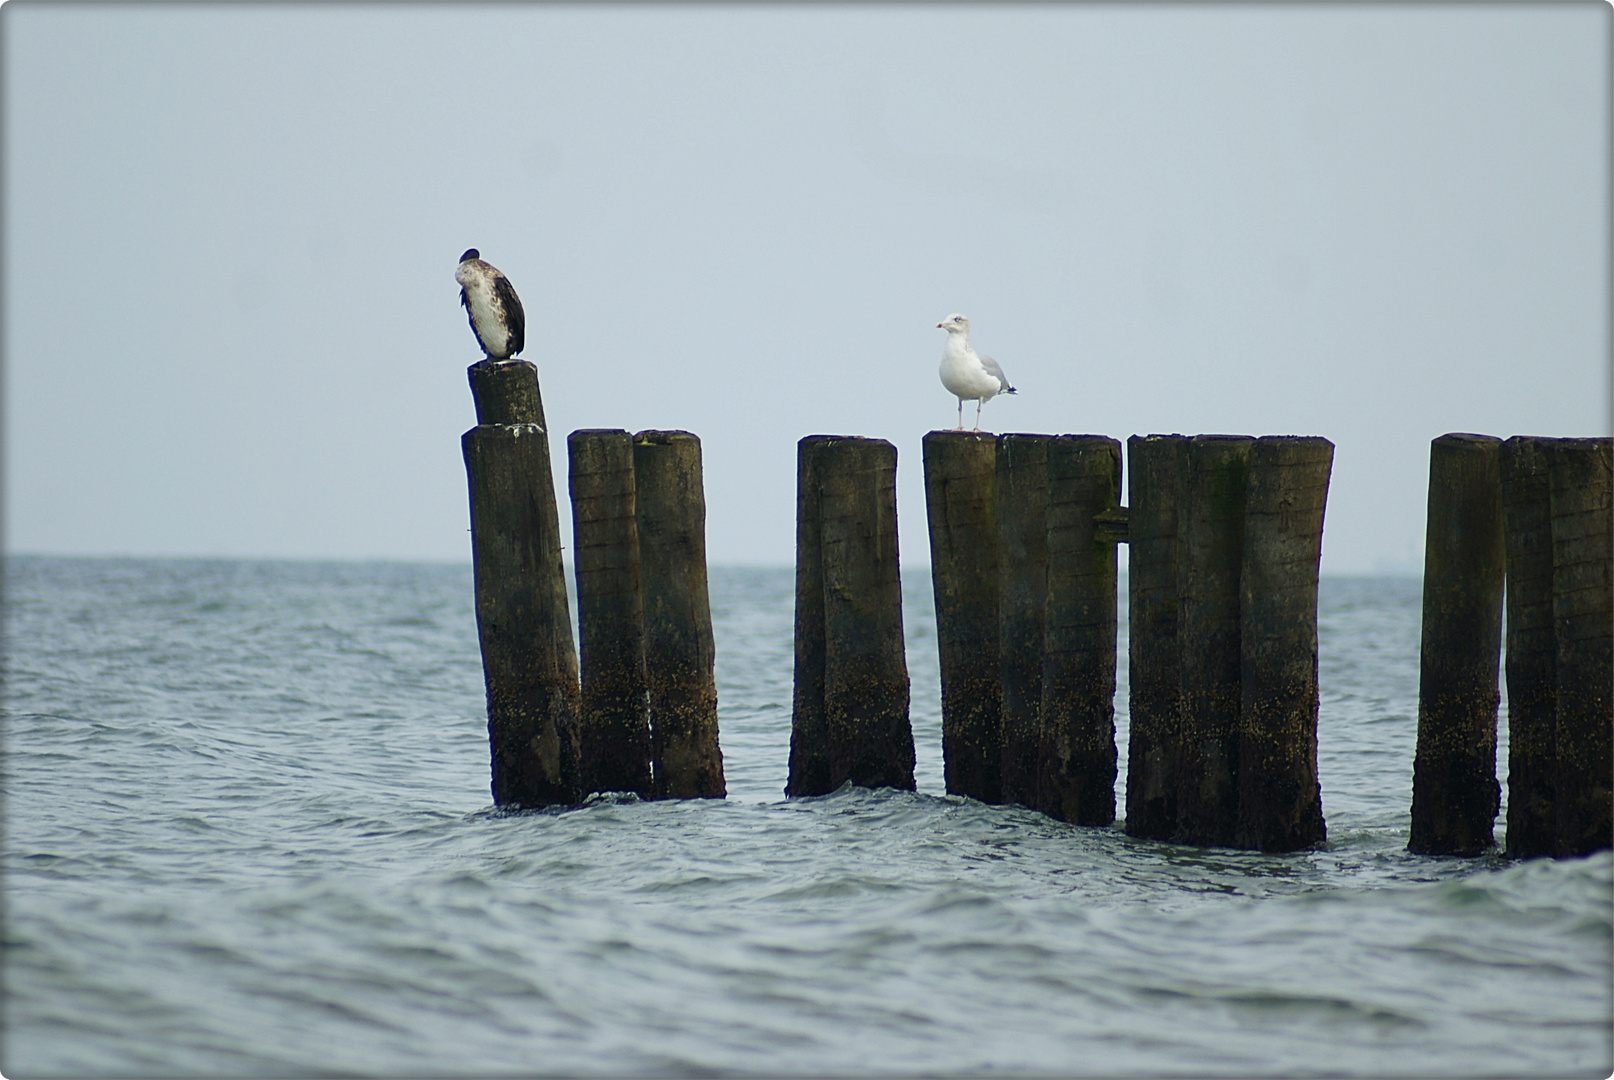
{"x":996,"y":372}
{"x":514,"y":317}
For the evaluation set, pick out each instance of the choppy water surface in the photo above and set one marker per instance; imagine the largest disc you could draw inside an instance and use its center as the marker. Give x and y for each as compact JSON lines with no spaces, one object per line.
{"x":248,"y":830}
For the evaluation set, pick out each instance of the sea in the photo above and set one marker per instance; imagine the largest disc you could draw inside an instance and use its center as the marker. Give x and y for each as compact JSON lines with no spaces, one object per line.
{"x":248,"y":832}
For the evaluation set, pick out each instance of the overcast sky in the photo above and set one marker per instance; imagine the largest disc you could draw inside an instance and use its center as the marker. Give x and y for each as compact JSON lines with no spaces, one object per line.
{"x":232,"y":328}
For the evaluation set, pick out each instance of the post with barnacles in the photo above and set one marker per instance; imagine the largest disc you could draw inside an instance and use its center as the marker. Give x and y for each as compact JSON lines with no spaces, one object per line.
{"x":1076,"y":757}
{"x":1210,"y":549}
{"x":1280,"y":804}
{"x":960,"y":487}
{"x":614,"y":733}
{"x":1022,"y":513}
{"x":1579,"y":474}
{"x":1225,"y":536}
{"x":522,"y":616}
{"x":1455,"y":794}
{"x":1153,"y":654}
{"x":1556,"y":503}
{"x":670,"y":507}
{"x":850,"y":713}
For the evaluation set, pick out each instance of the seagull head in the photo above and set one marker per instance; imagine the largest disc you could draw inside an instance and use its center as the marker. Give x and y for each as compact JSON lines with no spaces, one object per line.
{"x":955,"y":324}
{"x":470,"y":253}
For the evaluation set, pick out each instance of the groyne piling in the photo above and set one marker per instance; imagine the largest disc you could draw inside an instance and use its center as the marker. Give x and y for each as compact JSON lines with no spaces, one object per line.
{"x":960,"y":502}
{"x":670,"y":505}
{"x":1209,"y":560}
{"x":1023,"y":530}
{"x":1455,"y":794}
{"x":1280,"y":800}
{"x":1076,"y":758}
{"x":649,"y":688}
{"x":1022,"y":536}
{"x":1225,"y":540}
{"x":1154,"y":670}
{"x":850,"y":711}
{"x":1532,"y":650}
{"x":614,"y":733}
{"x":1583,"y":623}
{"x":1560,"y":617}
{"x":522,"y":616}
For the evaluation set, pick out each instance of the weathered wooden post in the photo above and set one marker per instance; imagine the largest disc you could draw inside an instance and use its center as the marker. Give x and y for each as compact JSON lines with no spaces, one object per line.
{"x":1022,"y":513}
{"x":809,"y":727}
{"x":528,"y":665}
{"x":960,"y":472}
{"x":670,"y":502}
{"x":1560,"y":663}
{"x":1579,"y":475}
{"x":1153,"y":655}
{"x":1455,"y":795}
{"x":1280,"y":801}
{"x":1532,"y":650}
{"x":850,"y":720}
{"x":1210,"y":549}
{"x":1076,"y":758}
{"x":614,"y":734}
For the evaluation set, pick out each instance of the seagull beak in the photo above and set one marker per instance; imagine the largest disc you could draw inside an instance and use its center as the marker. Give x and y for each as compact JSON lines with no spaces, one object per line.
{"x":940,"y":325}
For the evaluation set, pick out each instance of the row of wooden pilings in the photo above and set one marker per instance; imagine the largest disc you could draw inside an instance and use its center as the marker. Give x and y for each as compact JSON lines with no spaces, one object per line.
{"x":1528,"y":520}
{"x":639,"y":714}
{"x":1224,"y":538}
{"x":1225,"y":535}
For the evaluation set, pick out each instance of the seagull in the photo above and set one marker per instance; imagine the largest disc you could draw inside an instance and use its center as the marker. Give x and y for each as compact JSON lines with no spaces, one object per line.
{"x":966,"y":373}
{"x":495,"y":310}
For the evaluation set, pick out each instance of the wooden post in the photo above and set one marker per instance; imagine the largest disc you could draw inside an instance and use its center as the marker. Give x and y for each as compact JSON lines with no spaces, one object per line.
{"x":1022,"y":512}
{"x":1455,"y":795}
{"x":522,"y":617}
{"x":670,"y":503}
{"x":1280,"y":801}
{"x":1076,"y":780}
{"x":506,"y":392}
{"x":1579,"y":473}
{"x":614,"y":734}
{"x":809,"y":733}
{"x":1532,"y":655}
{"x":852,"y":660}
{"x":1210,"y":553}
{"x":960,"y":472}
{"x":1154,"y":657}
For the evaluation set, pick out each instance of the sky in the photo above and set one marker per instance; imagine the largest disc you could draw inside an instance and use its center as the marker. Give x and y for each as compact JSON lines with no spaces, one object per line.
{"x":231,"y":326}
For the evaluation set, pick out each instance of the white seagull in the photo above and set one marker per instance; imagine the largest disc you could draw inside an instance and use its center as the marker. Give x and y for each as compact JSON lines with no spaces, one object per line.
{"x":966,"y":373}
{"x":494,"y":308}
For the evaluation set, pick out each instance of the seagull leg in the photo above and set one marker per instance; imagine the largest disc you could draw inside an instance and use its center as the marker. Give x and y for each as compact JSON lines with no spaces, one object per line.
{"x":960,"y":426}
{"x":978,"y":403}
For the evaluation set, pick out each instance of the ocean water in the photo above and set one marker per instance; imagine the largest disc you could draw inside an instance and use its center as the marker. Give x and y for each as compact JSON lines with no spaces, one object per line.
{"x":248,"y":831}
